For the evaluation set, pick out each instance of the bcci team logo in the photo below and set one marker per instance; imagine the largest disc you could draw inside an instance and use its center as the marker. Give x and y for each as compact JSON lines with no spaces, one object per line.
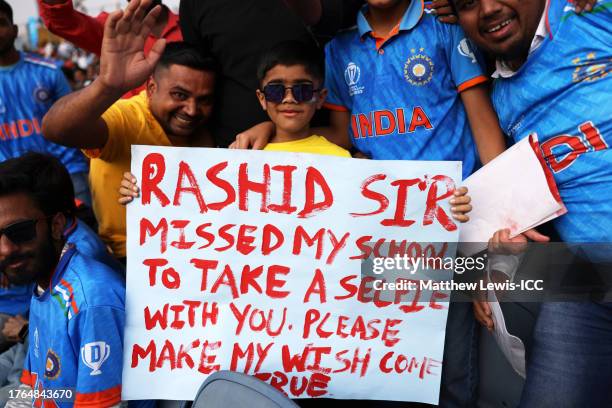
{"x":465,"y":50}
{"x":419,"y":68}
{"x":590,"y":69}
{"x":94,"y":355}
{"x":352,"y":75}
{"x":52,"y":365}
{"x":42,"y":95}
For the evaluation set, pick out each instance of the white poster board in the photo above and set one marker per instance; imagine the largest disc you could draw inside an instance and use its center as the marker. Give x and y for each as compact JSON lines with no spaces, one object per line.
{"x":251,"y":261}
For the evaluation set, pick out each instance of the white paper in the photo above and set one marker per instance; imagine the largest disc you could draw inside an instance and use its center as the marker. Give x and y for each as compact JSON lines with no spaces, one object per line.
{"x":511,"y":192}
{"x":171,"y":361}
{"x":511,"y":346}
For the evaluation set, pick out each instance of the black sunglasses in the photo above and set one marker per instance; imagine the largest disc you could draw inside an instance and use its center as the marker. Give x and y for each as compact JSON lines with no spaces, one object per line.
{"x":22,"y":231}
{"x":275,"y":93}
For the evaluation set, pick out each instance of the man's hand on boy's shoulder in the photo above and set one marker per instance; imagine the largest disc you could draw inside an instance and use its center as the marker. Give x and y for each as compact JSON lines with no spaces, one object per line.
{"x":444,"y":11}
{"x":255,"y":138}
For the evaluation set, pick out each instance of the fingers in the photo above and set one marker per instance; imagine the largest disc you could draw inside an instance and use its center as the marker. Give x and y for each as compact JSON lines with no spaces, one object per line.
{"x":124,"y":25}
{"x":233,"y":145}
{"x":444,"y":11}
{"x":110,"y":27}
{"x":156,"y":52}
{"x":128,"y":189}
{"x":241,"y":142}
{"x":536,"y":236}
{"x":459,"y":213}
{"x":124,"y":200}
{"x":149,"y":21}
{"x":584,"y":5}
{"x":461,"y":204}
{"x":259,"y":144}
{"x":450,"y":19}
{"x":482,"y":313}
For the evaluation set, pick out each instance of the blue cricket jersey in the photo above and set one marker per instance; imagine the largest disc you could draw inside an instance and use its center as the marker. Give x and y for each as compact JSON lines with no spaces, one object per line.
{"x":563,"y":94}
{"x":76,"y":333}
{"x":15,"y":299}
{"x":27,"y":91}
{"x":403,"y":92}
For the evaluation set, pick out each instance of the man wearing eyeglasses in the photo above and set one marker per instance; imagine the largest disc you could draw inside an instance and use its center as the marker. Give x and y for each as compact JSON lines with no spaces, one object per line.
{"x":77,"y":307}
{"x":171,"y":111}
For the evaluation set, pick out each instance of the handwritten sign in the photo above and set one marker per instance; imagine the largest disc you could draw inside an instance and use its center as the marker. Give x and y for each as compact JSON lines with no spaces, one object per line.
{"x":251,"y":261}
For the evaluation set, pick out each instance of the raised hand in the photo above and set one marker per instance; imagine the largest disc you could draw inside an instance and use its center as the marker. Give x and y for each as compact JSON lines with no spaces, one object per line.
{"x":123,"y":64}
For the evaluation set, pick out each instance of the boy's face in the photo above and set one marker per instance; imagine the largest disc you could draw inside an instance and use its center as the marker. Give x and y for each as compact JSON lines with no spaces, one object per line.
{"x":503,"y":28}
{"x":290,"y":114}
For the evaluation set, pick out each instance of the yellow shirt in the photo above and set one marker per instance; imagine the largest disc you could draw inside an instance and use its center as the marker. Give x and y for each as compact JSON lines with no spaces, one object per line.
{"x":129,"y":122}
{"x":312,"y":144}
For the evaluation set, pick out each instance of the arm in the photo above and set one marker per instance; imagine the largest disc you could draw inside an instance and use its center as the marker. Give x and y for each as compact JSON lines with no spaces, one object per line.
{"x":488,"y":136}
{"x":76,"y":119}
{"x":337,"y":131}
{"x":84,"y":31}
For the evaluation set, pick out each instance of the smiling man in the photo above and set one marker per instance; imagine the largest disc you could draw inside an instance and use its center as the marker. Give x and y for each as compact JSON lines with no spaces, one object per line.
{"x":171,"y":111}
{"x":553,"y":79}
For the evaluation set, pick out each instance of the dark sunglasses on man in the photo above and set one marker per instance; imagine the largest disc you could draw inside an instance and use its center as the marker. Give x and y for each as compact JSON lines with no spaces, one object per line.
{"x":22,"y":231}
{"x":303,"y":92}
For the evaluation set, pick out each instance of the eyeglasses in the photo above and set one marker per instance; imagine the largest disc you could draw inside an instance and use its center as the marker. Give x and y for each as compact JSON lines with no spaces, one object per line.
{"x":22,"y":231}
{"x":275,"y":93}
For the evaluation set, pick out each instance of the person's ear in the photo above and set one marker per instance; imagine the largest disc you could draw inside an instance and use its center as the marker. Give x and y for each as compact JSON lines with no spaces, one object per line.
{"x":262,"y":99}
{"x":321,"y":98}
{"x":58,"y":225}
{"x":151,"y":86}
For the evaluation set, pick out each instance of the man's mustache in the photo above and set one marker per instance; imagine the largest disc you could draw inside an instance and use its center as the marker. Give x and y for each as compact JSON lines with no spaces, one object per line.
{"x":14,"y":258}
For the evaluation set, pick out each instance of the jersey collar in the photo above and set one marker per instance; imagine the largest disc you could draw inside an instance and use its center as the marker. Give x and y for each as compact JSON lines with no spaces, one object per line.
{"x":411,"y":18}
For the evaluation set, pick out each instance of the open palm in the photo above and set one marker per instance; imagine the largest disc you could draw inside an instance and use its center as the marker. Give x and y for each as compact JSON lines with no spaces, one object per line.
{"x":123,"y":64}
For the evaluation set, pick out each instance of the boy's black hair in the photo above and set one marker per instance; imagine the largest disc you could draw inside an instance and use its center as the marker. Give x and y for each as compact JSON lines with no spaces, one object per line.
{"x":181,"y":53}
{"x":41,"y":177}
{"x":6,"y":9}
{"x":290,"y":53}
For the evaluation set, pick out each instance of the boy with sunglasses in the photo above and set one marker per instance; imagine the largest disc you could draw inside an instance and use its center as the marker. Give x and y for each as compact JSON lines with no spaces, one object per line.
{"x":291,"y":90}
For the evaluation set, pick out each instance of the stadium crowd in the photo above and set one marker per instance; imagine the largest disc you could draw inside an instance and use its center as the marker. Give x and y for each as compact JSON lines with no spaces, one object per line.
{"x":485,"y":73}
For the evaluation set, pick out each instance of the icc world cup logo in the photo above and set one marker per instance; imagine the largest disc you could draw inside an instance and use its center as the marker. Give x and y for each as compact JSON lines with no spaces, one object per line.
{"x":94,"y":355}
{"x":352,"y":73}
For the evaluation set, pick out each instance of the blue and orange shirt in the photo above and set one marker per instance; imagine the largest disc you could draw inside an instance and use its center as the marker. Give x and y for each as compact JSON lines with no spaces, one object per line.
{"x":403,"y":90}
{"x":562,"y":93}
{"x":27,"y":91}
{"x":76,"y":334}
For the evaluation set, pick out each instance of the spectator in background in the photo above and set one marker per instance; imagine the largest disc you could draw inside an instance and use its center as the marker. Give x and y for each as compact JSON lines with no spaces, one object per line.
{"x":28,"y":87}
{"x":171,"y":112}
{"x":86,"y":32}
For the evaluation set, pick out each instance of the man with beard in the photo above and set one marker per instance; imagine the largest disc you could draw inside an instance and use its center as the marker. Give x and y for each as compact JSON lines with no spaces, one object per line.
{"x":45,"y":174}
{"x":86,"y":32}
{"x":78,"y":305}
{"x":171,"y":112}
{"x":553,"y":80}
